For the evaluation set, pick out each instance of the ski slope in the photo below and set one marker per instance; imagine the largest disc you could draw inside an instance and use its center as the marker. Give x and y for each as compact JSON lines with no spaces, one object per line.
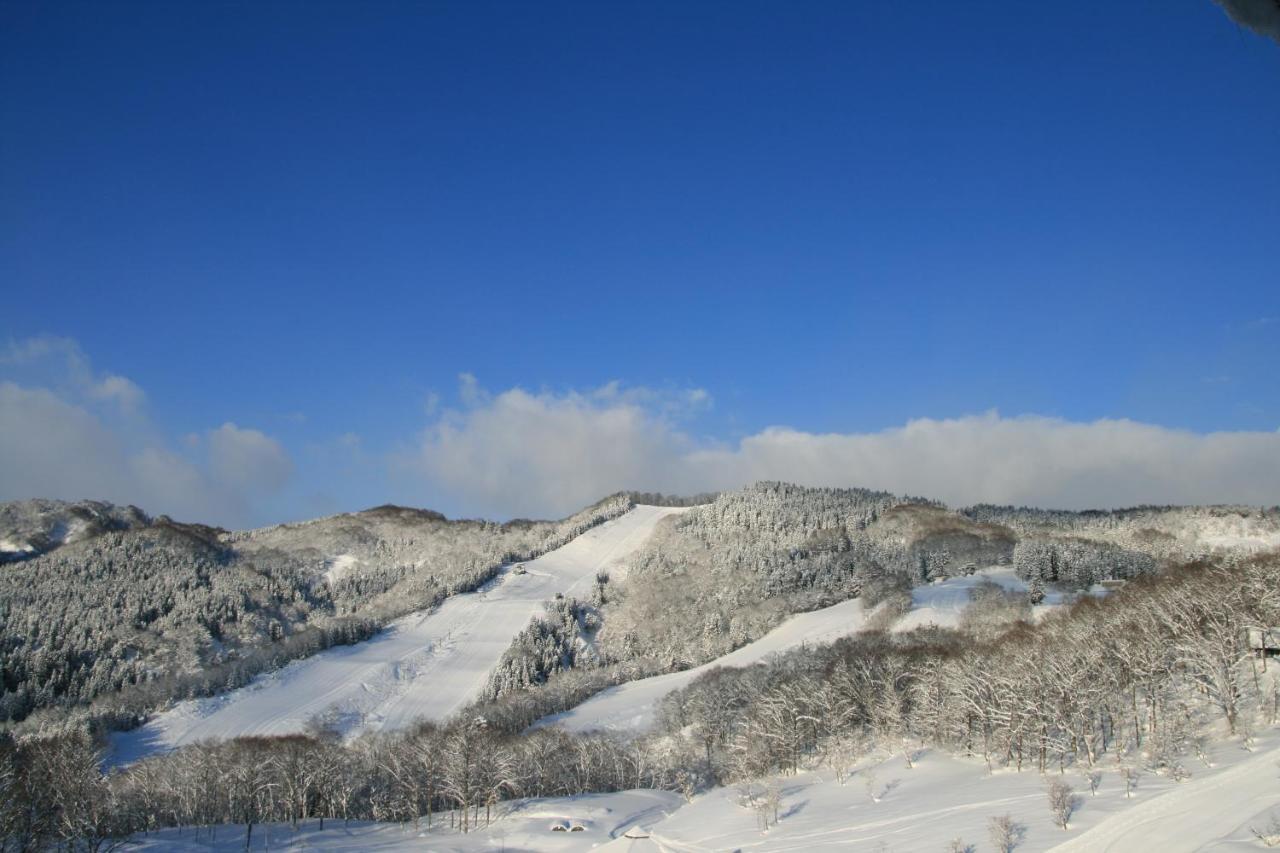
{"x":429,"y":664}
{"x":630,"y":707}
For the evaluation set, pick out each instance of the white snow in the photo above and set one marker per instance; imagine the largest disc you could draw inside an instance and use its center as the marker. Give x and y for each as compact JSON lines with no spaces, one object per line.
{"x":429,"y":664}
{"x":942,"y":603}
{"x":919,"y":809}
{"x":340,"y":566}
{"x":1206,"y":813}
{"x":944,"y":798}
{"x":1240,"y":541}
{"x":521,"y":825}
{"x":631,"y":707}
{"x":1229,"y":532}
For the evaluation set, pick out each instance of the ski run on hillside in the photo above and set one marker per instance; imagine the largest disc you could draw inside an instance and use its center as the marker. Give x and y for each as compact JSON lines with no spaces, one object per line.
{"x":424,"y":666}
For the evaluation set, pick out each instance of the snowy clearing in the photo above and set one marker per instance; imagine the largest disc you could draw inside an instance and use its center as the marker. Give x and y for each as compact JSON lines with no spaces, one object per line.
{"x":942,"y":603}
{"x":630,"y":707}
{"x":429,"y":664}
{"x":340,"y":566}
{"x":1215,"y":812}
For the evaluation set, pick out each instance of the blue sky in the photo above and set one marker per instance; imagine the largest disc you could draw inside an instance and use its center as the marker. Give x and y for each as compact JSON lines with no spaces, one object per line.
{"x":282,"y":232}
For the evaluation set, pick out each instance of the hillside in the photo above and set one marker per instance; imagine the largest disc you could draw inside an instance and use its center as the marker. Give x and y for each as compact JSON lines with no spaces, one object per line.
{"x":33,"y":527}
{"x":727,"y":572}
{"x":130,"y":611}
{"x":786,"y":632}
{"x":1146,"y":703}
{"x":105,"y":606}
{"x":426,"y":666}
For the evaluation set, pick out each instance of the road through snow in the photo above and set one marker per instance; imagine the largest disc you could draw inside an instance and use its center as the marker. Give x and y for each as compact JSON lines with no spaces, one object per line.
{"x":424,"y":665}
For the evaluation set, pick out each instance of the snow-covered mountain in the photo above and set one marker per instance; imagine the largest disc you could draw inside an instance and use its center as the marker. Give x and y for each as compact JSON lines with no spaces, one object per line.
{"x":121,"y":612}
{"x":33,"y":527}
{"x":765,"y":655}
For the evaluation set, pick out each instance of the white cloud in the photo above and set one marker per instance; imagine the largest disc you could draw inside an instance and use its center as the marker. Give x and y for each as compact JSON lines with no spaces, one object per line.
{"x":1026,"y":460}
{"x":549,"y":454}
{"x":469,"y":390}
{"x":519,"y":453}
{"x":47,"y":360}
{"x":68,"y":432}
{"x":248,"y":460}
{"x":118,"y":390}
{"x":54,"y":448}
{"x":42,"y":347}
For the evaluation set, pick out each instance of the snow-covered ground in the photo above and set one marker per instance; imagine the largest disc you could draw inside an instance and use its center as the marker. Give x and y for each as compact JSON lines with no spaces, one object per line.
{"x":630,"y":707}
{"x":523,"y":825}
{"x":428,"y":664}
{"x":918,"y":809}
{"x":340,"y":566}
{"x":945,"y":798}
{"x":1216,"y":811}
{"x":942,"y":603}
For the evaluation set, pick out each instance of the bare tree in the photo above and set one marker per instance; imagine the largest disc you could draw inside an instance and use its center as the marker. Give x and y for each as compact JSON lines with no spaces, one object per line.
{"x":1130,"y":777}
{"x":1005,"y":833}
{"x":871,"y":784}
{"x":1062,"y":802}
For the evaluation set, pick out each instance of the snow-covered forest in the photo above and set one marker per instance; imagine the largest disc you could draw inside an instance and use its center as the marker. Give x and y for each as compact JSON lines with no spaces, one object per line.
{"x":716,"y":578}
{"x":125,"y":617}
{"x":1134,"y":678}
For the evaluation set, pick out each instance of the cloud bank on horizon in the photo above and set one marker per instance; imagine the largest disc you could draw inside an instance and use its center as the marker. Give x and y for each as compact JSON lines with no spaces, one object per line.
{"x":525,"y":453}
{"x":67,"y":431}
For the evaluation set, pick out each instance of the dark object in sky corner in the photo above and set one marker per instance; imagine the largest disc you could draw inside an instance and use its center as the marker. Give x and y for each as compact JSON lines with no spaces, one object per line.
{"x":1261,"y":16}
